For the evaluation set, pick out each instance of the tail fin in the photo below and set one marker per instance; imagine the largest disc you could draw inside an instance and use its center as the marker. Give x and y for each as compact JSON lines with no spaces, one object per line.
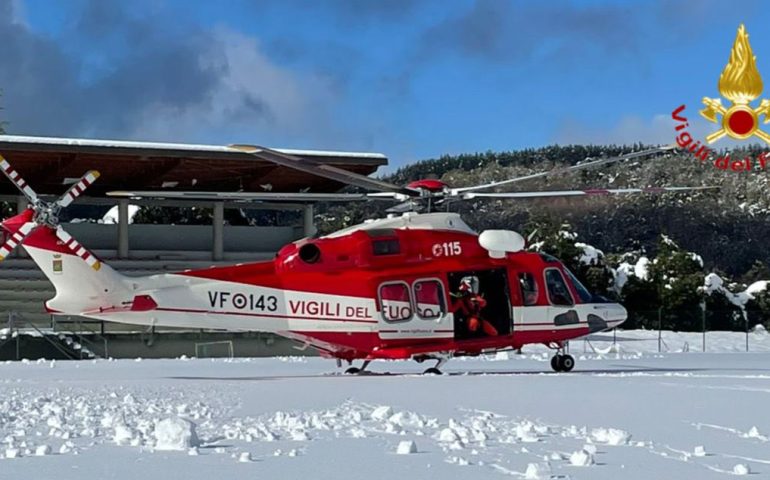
{"x":80,"y":288}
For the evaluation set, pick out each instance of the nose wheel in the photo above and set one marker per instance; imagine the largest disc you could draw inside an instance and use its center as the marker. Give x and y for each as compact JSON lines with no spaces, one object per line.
{"x":562,"y":363}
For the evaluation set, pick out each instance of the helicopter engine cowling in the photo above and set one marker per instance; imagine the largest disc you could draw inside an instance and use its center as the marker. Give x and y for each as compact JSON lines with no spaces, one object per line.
{"x":500,"y":242}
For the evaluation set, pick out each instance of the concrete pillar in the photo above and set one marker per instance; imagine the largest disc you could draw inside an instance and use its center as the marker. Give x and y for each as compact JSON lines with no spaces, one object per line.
{"x":309,"y":221}
{"x":218,"y":230}
{"x":123,"y":228}
{"x":21,"y":204}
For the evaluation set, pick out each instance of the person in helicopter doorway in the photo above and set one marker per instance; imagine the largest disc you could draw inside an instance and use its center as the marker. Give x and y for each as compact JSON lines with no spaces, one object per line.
{"x":469,"y":303}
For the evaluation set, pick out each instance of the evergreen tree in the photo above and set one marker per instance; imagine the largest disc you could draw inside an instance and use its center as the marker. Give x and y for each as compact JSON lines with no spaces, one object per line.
{"x":641,"y":298}
{"x":678,"y":276}
{"x":758,"y":309}
{"x":560,"y":241}
{"x":757,"y":272}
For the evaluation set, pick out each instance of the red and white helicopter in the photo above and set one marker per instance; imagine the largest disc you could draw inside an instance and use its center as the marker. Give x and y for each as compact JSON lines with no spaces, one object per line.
{"x":411,"y":286}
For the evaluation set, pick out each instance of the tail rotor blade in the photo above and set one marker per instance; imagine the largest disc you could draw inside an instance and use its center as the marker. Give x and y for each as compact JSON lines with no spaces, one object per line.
{"x":77,"y":248}
{"x":78,"y":188}
{"x":15,"y":239}
{"x":14,"y":176}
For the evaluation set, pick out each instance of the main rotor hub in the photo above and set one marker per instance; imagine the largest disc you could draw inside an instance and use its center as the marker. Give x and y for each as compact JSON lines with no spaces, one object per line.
{"x":46,"y":213}
{"x":429,"y":185}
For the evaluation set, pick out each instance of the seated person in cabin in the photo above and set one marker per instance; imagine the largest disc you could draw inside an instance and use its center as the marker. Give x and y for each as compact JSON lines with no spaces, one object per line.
{"x":528,"y":289}
{"x":469,"y":303}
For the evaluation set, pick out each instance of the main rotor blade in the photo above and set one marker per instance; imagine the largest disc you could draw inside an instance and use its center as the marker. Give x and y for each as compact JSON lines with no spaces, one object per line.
{"x":260,"y":196}
{"x":78,"y":188}
{"x":323,"y":170}
{"x":15,"y":239}
{"x":14,"y":176}
{"x":577,"y":193}
{"x":563,"y":170}
{"x":77,"y":248}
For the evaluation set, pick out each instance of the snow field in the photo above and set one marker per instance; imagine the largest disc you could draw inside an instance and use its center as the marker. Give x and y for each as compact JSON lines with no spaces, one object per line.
{"x":623,"y":413}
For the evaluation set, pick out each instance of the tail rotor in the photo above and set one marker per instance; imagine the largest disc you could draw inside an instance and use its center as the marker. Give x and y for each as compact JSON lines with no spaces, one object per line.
{"x":41,"y":213}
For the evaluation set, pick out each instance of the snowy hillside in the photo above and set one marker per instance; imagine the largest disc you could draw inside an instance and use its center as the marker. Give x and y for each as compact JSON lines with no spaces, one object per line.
{"x":626,"y":412}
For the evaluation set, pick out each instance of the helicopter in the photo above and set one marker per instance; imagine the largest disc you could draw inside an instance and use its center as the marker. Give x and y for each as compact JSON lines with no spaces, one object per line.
{"x":416,"y":285}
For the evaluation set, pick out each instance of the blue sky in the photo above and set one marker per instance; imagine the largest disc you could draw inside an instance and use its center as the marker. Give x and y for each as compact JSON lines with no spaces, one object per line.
{"x":412,"y":79}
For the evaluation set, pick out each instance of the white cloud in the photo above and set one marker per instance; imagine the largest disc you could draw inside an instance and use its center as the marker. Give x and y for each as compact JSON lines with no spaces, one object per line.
{"x":252,"y":96}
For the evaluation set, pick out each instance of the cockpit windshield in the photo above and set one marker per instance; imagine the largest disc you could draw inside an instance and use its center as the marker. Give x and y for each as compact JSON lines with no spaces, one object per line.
{"x":583,"y":293}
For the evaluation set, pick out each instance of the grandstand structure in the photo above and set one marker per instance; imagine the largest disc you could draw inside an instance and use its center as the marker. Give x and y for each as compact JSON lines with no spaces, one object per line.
{"x":51,"y":165}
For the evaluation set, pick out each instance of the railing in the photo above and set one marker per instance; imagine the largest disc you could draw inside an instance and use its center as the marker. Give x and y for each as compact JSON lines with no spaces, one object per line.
{"x":73,"y":345}
{"x":79,"y":329}
{"x":15,"y":320}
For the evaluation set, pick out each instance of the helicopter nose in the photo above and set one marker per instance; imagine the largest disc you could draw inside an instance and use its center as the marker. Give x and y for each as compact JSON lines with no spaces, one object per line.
{"x":616,"y":314}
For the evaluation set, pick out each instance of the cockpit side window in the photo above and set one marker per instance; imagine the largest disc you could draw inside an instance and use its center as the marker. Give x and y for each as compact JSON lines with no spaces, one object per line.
{"x":558,"y":293}
{"x":582,"y":291}
{"x":529,"y":293}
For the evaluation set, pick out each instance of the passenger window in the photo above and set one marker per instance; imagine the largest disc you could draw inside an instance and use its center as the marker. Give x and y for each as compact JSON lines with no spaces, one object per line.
{"x":396,"y":302}
{"x":528,"y":288}
{"x":429,"y":299}
{"x":558,"y":293}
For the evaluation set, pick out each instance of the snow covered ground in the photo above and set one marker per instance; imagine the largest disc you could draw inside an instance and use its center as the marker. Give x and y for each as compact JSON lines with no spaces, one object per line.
{"x":626,"y":412}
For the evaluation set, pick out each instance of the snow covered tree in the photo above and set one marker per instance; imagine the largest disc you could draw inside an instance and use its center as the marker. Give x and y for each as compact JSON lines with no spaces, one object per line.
{"x":758,"y":309}
{"x":757,"y":272}
{"x":557,"y":239}
{"x":585,"y":261}
{"x":641,"y":298}
{"x":678,"y":276}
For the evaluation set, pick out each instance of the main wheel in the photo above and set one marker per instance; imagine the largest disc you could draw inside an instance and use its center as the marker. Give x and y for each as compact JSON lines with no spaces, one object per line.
{"x":567,"y":363}
{"x":353,"y":371}
{"x":432,"y":371}
{"x":556,"y":363}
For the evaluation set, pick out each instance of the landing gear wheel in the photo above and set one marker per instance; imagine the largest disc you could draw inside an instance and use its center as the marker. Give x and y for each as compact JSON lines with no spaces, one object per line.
{"x":566,"y":363}
{"x":432,"y":371}
{"x":356,"y":370}
{"x":555,"y":363}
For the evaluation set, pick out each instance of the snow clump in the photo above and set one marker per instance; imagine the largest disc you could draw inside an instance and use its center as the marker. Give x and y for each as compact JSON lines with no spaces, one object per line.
{"x":406,"y":447}
{"x":175,"y":434}
{"x":610,"y":436}
{"x":537,"y":471}
{"x":741,"y":469}
{"x":581,"y":458}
